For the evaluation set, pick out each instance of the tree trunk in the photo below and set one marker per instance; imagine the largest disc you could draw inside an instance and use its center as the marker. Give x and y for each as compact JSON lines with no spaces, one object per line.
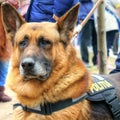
{"x":102,"y":48}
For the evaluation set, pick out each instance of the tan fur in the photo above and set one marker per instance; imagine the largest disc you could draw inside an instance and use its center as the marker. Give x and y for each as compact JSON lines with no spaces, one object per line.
{"x":69,"y":77}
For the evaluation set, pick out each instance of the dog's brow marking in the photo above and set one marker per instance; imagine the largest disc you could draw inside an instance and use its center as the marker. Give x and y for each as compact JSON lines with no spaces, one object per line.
{"x":34,"y":27}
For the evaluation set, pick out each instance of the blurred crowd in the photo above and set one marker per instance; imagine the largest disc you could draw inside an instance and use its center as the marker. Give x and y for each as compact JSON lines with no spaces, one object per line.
{"x":112,"y":26}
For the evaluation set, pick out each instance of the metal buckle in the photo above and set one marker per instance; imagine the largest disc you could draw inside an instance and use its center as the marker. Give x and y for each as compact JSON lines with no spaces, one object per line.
{"x":25,"y":108}
{"x":46,"y":109}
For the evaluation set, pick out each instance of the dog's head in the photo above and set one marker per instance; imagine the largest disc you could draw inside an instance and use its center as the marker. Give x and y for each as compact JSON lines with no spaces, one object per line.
{"x":34,"y":44}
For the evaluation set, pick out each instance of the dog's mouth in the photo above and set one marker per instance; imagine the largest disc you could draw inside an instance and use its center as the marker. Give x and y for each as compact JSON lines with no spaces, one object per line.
{"x":31,"y":69}
{"x":31,"y":77}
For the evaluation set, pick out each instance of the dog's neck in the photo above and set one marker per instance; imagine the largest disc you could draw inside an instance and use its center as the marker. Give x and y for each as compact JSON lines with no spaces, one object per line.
{"x":60,"y":91}
{"x":49,"y":108}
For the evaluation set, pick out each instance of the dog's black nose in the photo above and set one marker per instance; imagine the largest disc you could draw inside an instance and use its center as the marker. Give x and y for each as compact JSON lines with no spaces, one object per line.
{"x":27,"y":63}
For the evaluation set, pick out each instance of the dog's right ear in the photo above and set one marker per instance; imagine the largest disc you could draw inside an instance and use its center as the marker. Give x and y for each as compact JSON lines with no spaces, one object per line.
{"x":66,"y":24}
{"x":11,"y":20}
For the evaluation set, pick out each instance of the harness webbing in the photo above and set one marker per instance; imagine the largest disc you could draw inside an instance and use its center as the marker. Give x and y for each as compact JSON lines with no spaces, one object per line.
{"x":102,"y":90}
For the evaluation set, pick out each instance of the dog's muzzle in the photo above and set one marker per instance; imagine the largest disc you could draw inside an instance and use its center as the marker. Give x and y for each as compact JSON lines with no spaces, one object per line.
{"x":30,"y":68}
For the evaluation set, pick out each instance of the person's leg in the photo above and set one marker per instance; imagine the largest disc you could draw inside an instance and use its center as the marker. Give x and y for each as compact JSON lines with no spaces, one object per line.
{"x":94,"y":43}
{"x":3,"y":73}
{"x":85,"y":40}
{"x":115,"y":43}
{"x":110,"y":38}
{"x":117,"y":63}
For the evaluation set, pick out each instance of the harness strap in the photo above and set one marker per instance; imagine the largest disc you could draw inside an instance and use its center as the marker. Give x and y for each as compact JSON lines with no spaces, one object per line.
{"x":113,"y":102}
{"x":49,"y":108}
{"x":101,"y":91}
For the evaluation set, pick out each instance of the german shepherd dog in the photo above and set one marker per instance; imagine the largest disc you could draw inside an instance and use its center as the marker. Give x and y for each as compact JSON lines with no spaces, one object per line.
{"x":45,"y":69}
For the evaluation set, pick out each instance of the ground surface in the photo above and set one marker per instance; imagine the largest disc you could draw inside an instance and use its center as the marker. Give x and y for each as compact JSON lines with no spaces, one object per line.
{"x":6,"y":109}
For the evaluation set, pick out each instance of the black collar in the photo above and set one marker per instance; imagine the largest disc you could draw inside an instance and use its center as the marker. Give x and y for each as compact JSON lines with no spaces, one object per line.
{"x":49,"y":108}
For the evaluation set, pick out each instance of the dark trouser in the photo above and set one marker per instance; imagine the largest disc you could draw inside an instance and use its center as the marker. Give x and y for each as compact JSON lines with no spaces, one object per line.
{"x":88,"y":34}
{"x":112,"y":40}
{"x":115,"y":43}
{"x":117,"y":63}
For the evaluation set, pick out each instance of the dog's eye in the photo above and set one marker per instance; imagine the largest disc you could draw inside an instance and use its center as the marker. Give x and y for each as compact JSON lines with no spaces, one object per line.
{"x":23,"y":43}
{"x":44,"y":43}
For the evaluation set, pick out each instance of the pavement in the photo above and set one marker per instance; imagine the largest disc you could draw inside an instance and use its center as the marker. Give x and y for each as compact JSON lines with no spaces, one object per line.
{"x":6,"y":108}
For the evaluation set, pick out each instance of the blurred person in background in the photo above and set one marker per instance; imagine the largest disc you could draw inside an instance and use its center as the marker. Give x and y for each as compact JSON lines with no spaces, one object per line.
{"x":20,"y":5}
{"x":111,"y":24}
{"x":88,"y":34}
{"x":117,"y":62}
{"x":23,"y":6}
{"x":48,"y":10}
{"x":3,"y":72}
{"x":14,"y":3}
{"x":118,"y":10}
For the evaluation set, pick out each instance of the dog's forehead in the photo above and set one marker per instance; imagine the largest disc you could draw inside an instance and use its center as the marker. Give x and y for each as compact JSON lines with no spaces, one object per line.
{"x":40,"y":26}
{"x":46,"y":29}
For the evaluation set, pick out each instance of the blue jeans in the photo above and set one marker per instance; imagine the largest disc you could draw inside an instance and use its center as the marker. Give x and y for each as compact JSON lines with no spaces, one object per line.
{"x":3,"y":72}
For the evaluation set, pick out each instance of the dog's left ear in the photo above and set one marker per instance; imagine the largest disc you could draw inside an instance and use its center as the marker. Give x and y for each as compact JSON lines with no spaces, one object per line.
{"x":11,"y":20}
{"x":67,"y":22}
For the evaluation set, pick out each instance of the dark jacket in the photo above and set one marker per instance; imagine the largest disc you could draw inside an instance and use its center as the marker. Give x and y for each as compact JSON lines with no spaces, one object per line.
{"x":43,"y":10}
{"x":85,"y":7}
